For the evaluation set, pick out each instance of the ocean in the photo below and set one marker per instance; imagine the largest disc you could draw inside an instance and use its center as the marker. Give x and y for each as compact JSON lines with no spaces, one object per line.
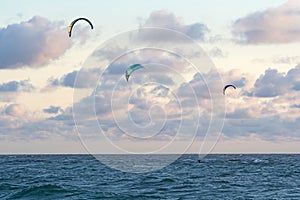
{"x":217,"y":176}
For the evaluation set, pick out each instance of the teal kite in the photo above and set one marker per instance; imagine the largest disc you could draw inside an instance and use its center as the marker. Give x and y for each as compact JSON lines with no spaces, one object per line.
{"x":131,"y":69}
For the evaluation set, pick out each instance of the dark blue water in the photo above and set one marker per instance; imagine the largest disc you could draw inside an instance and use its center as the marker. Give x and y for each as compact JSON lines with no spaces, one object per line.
{"x":215,"y":177}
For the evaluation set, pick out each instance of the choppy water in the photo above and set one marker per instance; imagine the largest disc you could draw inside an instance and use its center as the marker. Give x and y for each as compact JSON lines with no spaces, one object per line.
{"x":215,"y":177}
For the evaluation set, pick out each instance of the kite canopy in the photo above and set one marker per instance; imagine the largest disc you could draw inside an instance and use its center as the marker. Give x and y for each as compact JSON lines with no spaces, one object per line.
{"x":131,"y":69}
{"x":70,"y":28}
{"x":226,"y":86}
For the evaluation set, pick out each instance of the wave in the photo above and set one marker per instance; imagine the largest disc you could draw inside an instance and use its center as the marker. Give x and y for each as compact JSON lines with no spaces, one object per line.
{"x":48,"y":191}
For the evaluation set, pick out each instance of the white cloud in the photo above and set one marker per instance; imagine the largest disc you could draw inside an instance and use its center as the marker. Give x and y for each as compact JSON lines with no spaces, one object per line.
{"x":17,"y":86}
{"x":216,"y":52}
{"x":32,"y":43}
{"x":53,"y":110}
{"x":16,"y":110}
{"x":267,"y":128}
{"x":274,"y":25}
{"x":286,"y":59}
{"x":76,"y":79}
{"x":168,"y":20}
{"x":20,"y":124}
{"x":268,"y":118}
{"x":273,"y":83}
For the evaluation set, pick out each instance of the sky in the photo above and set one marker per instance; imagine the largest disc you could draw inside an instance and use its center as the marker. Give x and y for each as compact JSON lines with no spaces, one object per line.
{"x":69,"y":95}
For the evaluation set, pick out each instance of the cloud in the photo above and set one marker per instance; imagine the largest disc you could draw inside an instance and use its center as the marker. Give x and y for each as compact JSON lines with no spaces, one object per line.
{"x":287,"y":60}
{"x":32,"y":43}
{"x":163,"y":79}
{"x":297,"y":86}
{"x":168,"y":20}
{"x":16,"y":86}
{"x":274,"y":25}
{"x":196,"y":86}
{"x":243,"y":81}
{"x":259,"y":113}
{"x":272,"y":83}
{"x":241,"y":113}
{"x":10,"y":90}
{"x":295,"y":106}
{"x":268,"y":128}
{"x":204,"y":86}
{"x":77,"y":79}
{"x":53,"y":110}
{"x":137,"y":109}
{"x":148,"y":105}
{"x":293,"y":76}
{"x":41,"y":129}
{"x":19,"y":123}
{"x":240,"y":82}
{"x":65,"y":116}
{"x":217,"y":53}
{"x":157,"y":66}
{"x":69,"y":79}
{"x":15,"y":110}
{"x":291,"y":60}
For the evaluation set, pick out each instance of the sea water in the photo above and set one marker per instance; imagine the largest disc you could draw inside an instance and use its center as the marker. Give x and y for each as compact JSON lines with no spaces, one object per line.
{"x":219,"y":176}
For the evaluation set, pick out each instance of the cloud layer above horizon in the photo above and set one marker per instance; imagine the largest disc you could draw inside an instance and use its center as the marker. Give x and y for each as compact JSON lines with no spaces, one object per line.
{"x":266,"y":105}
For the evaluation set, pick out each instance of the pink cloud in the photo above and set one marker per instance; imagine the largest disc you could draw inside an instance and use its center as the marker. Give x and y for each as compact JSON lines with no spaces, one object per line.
{"x":274,"y":25}
{"x":32,"y":43}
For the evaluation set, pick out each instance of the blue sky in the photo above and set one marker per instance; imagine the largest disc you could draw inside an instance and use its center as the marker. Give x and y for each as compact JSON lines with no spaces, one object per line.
{"x":130,"y":11}
{"x":46,"y":77}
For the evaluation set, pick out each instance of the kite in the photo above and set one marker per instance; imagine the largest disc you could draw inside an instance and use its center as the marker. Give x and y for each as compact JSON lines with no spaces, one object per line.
{"x":226,"y":86}
{"x":131,"y":69}
{"x":70,"y":28}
